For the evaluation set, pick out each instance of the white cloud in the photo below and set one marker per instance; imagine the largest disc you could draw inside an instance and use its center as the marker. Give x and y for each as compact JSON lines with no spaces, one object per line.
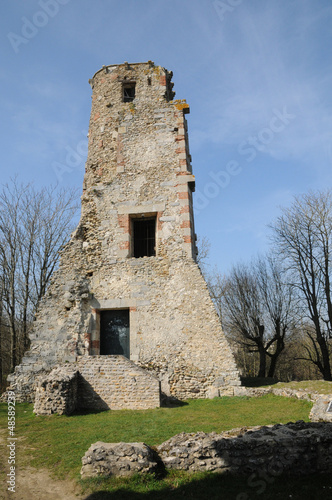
{"x":267,"y":60}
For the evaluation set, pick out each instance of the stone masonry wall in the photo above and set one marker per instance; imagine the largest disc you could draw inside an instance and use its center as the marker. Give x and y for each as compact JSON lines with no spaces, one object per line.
{"x":57,"y":392}
{"x":138,"y":165}
{"x":97,"y":383}
{"x":295,"y":449}
{"x":115,"y":383}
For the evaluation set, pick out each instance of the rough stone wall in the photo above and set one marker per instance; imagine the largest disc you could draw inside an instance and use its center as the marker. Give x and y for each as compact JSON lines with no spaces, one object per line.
{"x":138,"y":165}
{"x":118,"y":459}
{"x":115,"y":383}
{"x":57,"y":393}
{"x":295,"y":449}
{"x":98,"y":383}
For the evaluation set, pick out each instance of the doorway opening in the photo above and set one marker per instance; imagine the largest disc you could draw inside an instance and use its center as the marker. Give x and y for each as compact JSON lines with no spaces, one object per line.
{"x":114,"y":332}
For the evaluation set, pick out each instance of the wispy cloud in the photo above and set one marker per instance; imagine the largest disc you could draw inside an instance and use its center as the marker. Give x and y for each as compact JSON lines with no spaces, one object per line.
{"x":267,"y":60}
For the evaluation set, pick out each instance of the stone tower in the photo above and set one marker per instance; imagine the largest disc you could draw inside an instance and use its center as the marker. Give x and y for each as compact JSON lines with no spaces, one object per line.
{"x":128,"y":283}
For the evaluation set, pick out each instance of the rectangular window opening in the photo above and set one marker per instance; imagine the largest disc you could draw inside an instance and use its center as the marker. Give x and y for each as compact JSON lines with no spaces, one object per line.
{"x":144,"y":237}
{"x":129,"y":92}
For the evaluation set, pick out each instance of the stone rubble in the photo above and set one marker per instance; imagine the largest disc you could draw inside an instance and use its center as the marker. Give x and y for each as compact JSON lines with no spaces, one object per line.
{"x":295,"y":448}
{"x":118,"y":459}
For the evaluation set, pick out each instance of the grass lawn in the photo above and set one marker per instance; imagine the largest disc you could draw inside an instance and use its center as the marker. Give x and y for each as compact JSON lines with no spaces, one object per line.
{"x":320,"y":386}
{"x":59,"y":442}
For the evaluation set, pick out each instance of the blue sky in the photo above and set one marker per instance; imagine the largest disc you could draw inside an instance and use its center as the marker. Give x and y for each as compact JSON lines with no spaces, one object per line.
{"x":257,"y":75}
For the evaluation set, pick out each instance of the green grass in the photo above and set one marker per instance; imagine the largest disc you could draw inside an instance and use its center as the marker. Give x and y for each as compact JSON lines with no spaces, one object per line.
{"x":59,"y":442}
{"x":320,"y":386}
{"x":179,"y":485}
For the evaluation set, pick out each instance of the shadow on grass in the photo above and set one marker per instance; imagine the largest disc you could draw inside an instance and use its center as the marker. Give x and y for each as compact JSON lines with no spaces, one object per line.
{"x":85,"y":411}
{"x":171,"y":401}
{"x":226,"y":487}
{"x":258,"y":381}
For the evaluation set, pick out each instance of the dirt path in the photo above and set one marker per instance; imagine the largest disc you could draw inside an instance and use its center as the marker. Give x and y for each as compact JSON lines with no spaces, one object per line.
{"x":33,"y":484}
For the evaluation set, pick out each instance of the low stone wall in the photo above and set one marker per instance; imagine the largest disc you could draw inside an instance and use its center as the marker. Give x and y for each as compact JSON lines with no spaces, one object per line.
{"x":115,"y":383}
{"x":57,"y":392}
{"x":96,"y":383}
{"x":118,"y":459}
{"x":296,"y":448}
{"x":319,"y":411}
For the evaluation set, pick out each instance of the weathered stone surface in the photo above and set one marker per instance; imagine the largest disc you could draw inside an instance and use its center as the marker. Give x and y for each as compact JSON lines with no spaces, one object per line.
{"x":138,"y":166}
{"x":97,"y":383}
{"x":57,"y":392}
{"x":117,"y":459}
{"x":319,"y":410}
{"x":297,"y":448}
{"x":115,"y":383}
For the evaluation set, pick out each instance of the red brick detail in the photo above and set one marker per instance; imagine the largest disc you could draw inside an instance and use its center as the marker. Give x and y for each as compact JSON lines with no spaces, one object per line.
{"x":185,"y":209}
{"x":100,"y":171}
{"x":180,"y":150}
{"x":94,"y":311}
{"x":183,"y":195}
{"x":187,"y":239}
{"x":96,"y":116}
{"x":179,"y":138}
{"x":185,"y":223}
{"x":159,"y":222}
{"x":114,"y":76}
{"x":124,"y":245}
{"x":133,"y":309}
{"x":87,"y":336}
{"x":123,"y":221}
{"x":95,"y":344}
{"x":183,"y":163}
{"x":162,"y":80}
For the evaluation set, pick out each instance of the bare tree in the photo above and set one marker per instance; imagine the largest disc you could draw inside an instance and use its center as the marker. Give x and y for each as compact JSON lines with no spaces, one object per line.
{"x":203,"y":250}
{"x":34,"y":225}
{"x":279,"y":306}
{"x":257,"y":311}
{"x":303,"y":236}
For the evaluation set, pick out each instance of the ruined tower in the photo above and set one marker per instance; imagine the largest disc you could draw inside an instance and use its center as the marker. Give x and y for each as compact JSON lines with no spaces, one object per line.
{"x":128,"y":283}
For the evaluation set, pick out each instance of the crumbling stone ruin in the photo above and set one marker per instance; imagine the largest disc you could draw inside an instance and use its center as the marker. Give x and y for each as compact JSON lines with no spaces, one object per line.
{"x":296,"y":449}
{"x":128,"y":282}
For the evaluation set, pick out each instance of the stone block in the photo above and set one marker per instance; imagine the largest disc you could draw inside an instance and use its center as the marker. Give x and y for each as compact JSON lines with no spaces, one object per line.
{"x":57,"y":392}
{"x":118,"y":459}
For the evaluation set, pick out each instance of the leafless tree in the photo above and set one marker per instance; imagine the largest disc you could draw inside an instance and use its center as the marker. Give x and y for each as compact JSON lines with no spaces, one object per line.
{"x":303,"y":236}
{"x":217,"y":283}
{"x":34,"y":225}
{"x":203,"y":250}
{"x":257,"y":311}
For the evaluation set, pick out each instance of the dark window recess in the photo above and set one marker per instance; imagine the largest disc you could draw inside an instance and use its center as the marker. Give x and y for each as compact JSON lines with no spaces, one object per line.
{"x":128,"y":92}
{"x":114,"y":332}
{"x":144,"y":237}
